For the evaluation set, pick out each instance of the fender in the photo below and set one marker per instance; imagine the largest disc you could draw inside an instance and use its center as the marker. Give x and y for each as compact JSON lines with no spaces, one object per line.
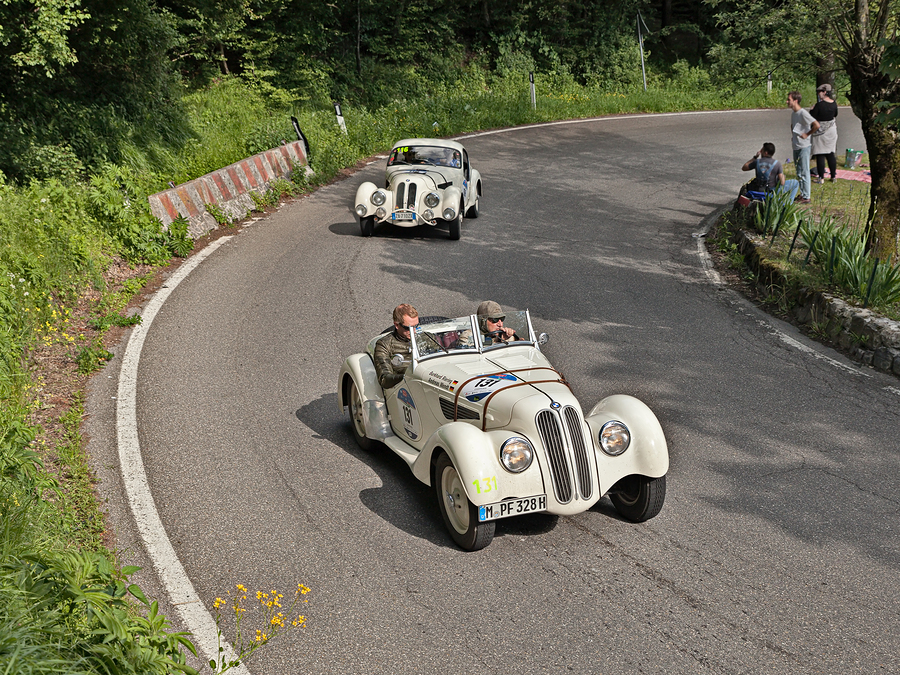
{"x":363,"y":192}
{"x":476,"y":456}
{"x":360,"y":369}
{"x":475,"y":182}
{"x":452,"y":196}
{"x":648,"y":454}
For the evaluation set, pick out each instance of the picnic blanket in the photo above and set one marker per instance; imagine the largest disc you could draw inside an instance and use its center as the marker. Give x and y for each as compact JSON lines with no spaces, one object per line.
{"x":865,"y":176}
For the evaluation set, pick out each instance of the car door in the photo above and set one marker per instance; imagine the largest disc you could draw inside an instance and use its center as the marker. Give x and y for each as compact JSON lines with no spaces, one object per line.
{"x":408,"y":412}
{"x":465,"y":185}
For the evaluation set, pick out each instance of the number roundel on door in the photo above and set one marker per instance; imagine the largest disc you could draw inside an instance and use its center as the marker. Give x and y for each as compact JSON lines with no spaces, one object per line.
{"x":410,"y":416}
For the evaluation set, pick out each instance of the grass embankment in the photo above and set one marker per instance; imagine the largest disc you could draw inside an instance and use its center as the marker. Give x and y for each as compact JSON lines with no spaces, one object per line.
{"x":818,"y":247}
{"x":71,"y":256}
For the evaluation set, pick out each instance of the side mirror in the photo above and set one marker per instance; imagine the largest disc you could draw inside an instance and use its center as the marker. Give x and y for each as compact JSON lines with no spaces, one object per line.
{"x":543,"y":339}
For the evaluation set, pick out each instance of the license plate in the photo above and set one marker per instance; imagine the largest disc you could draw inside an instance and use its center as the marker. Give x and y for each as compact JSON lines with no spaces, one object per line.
{"x":404,"y":216}
{"x":512,"y":507}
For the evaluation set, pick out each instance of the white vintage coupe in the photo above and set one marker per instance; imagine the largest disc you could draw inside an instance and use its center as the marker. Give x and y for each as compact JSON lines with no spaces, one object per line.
{"x":497,"y":432}
{"x":428,"y":181}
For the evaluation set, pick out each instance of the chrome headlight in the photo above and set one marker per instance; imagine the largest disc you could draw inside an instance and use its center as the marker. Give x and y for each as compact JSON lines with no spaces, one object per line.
{"x":378,"y":198}
{"x":428,"y":214}
{"x":380,"y":212}
{"x":614,"y":438}
{"x":449,"y":214}
{"x":432,"y":199}
{"x":516,"y":454}
{"x":361,"y":210}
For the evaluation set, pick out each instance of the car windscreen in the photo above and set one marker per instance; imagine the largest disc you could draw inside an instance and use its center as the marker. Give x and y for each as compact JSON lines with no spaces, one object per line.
{"x":425,"y":154}
{"x":446,"y":337}
{"x":495,"y":334}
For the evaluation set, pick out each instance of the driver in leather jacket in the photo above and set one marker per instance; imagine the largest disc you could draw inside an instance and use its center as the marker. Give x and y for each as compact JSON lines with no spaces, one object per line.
{"x":393,"y":352}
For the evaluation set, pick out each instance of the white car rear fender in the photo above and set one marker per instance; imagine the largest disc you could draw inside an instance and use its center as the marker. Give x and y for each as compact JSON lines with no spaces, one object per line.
{"x":648,"y":453}
{"x":475,"y":454}
{"x":360,"y":369}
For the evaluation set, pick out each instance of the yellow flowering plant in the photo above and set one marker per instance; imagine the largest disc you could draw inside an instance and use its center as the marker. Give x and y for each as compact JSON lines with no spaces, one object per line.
{"x":273,"y":620}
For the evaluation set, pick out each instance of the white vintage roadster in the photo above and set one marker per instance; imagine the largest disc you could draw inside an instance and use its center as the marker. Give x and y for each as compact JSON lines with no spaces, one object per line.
{"x":428,"y":181}
{"x":497,"y":432}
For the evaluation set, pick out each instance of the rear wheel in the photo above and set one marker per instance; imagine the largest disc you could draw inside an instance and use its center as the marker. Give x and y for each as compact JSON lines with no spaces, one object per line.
{"x":639,"y":498}
{"x":357,"y":420}
{"x":474,"y":209}
{"x":367,"y":225}
{"x":460,"y":515}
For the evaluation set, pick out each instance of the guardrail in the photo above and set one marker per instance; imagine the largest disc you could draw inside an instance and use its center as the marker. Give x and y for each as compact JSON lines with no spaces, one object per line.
{"x":228,"y":189}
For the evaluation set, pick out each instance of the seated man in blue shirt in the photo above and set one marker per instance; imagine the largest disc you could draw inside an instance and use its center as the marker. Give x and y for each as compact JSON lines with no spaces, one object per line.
{"x":769,"y":174}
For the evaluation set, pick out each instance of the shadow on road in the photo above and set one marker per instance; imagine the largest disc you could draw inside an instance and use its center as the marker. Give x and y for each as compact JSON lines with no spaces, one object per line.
{"x":401,"y":500}
{"x":391,"y":232}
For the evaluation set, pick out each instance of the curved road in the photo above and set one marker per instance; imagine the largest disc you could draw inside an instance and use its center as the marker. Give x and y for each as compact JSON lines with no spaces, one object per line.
{"x":776,"y":551}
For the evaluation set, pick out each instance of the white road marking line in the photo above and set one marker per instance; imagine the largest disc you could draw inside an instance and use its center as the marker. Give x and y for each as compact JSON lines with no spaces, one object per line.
{"x":608,"y":118}
{"x":193,"y":612}
{"x":716,"y":279}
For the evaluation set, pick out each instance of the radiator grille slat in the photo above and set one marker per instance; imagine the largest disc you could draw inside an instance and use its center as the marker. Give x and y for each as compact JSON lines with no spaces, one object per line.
{"x":411,"y":200}
{"x":401,"y":191}
{"x":582,"y":464}
{"x":554,"y":443}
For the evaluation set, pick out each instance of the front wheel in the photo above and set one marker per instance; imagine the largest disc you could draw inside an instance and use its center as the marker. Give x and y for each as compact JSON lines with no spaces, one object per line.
{"x":460,"y":515}
{"x":453,"y":226}
{"x":357,"y":422}
{"x":639,"y":498}
{"x":367,"y":225}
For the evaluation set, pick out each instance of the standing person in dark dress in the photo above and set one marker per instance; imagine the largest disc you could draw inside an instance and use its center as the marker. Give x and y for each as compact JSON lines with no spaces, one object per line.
{"x":824,"y":139}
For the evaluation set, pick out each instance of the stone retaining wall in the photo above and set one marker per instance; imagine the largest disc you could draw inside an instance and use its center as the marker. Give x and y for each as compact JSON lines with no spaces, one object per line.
{"x":228,"y":189}
{"x":868,"y":338}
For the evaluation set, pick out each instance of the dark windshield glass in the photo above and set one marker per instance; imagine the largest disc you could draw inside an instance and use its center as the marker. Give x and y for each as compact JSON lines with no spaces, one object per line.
{"x":425,"y":154}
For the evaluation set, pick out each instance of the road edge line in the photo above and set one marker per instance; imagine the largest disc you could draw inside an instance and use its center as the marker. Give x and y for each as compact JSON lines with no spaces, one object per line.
{"x":196,"y":618}
{"x":715,"y":278}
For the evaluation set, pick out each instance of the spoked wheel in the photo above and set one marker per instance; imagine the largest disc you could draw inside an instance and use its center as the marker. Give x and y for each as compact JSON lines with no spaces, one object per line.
{"x":639,"y":498}
{"x":367,"y":226}
{"x":460,"y":515}
{"x":357,"y":423}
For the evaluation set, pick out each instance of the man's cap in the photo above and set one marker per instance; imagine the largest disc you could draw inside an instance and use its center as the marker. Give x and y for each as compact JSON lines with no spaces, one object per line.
{"x":491,"y":310}
{"x":824,"y":87}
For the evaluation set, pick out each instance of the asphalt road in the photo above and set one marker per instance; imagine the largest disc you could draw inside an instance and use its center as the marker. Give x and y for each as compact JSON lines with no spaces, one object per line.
{"x":778,"y":547}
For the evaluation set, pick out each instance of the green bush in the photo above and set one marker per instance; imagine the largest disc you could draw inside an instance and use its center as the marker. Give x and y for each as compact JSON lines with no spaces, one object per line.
{"x":840,"y":252}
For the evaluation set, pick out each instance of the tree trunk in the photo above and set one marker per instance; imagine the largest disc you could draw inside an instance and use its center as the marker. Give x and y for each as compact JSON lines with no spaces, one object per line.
{"x":868,"y":87}
{"x":825,"y":69}
{"x":223,"y":61}
{"x":665,"y":18}
{"x":358,"y":38}
{"x":883,"y":145}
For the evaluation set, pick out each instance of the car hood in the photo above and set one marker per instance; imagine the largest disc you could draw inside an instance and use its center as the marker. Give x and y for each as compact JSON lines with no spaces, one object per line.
{"x":505,"y":382}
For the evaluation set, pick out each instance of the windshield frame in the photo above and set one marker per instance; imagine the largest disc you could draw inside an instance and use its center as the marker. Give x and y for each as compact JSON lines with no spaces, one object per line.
{"x":456,"y":155}
{"x":478,"y":347}
{"x":439,"y":329}
{"x":528,"y":339}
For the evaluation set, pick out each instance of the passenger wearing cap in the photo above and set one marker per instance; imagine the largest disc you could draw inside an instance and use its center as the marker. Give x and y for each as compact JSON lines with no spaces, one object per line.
{"x":824,"y":139}
{"x":490,"y":321}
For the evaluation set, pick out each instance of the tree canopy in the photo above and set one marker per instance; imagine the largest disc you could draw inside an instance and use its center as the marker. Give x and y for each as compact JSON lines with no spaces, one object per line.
{"x":81,"y":78}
